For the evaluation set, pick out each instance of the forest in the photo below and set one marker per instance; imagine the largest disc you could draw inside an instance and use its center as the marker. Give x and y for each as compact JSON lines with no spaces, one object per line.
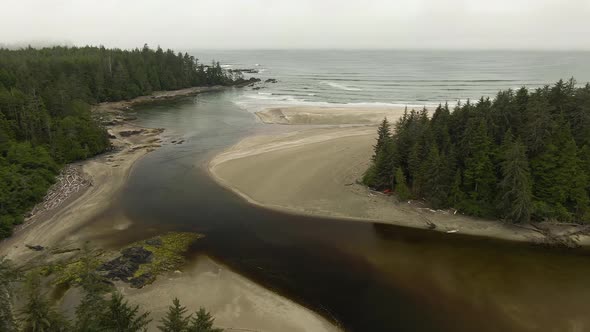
{"x":45,"y":109}
{"x":523,"y":156}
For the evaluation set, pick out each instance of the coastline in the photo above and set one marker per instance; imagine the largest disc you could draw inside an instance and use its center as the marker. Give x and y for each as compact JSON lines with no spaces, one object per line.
{"x":316,"y":172}
{"x":237,"y":303}
{"x":49,"y":227}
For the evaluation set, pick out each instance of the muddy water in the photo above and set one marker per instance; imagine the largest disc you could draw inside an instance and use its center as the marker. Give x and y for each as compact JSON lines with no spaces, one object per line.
{"x":365,"y":277}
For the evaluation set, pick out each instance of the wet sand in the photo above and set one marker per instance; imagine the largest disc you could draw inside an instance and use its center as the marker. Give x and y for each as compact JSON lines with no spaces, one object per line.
{"x":237,"y":303}
{"x":329,"y":115}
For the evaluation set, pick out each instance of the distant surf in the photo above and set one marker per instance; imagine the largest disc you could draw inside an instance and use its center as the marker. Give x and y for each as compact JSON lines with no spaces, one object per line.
{"x":341,"y":86}
{"x":384,"y":78}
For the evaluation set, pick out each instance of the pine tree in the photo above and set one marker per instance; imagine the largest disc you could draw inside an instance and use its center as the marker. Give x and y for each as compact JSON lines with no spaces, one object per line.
{"x":8,"y":275}
{"x":516,"y":188}
{"x":92,"y":301}
{"x":37,"y":314}
{"x":203,"y":322}
{"x":456,"y":195}
{"x":479,"y":175}
{"x":436,"y":178}
{"x":383,"y":138}
{"x":559,"y":179}
{"x":401,"y":187}
{"x":384,"y":166}
{"x":121,"y":317}
{"x":175,"y":320}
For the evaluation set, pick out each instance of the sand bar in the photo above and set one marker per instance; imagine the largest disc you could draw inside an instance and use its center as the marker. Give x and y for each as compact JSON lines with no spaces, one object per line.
{"x":316,"y":172}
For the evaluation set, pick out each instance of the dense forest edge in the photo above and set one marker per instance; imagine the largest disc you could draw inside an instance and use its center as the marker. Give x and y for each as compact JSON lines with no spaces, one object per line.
{"x":523,"y":156}
{"x":45,"y":109}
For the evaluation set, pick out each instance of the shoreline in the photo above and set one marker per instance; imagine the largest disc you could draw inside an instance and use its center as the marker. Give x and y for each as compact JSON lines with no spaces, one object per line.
{"x":110,"y":169}
{"x":274,"y":172}
{"x":236,"y":302}
{"x":62,"y":230}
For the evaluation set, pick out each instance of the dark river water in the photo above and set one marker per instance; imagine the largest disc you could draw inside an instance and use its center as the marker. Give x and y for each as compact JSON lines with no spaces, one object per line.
{"x":362,"y":276}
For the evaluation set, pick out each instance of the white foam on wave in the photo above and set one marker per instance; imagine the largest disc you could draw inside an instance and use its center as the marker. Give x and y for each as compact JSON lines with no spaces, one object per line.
{"x":340,"y":86}
{"x":265,"y":100}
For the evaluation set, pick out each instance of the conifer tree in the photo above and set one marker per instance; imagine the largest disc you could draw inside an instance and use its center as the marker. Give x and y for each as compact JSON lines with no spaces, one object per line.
{"x":457,"y":196}
{"x":436,"y":179}
{"x":383,"y":138}
{"x":401,"y":188}
{"x":92,"y":304}
{"x":202,"y":321}
{"x":479,"y":175}
{"x":515,"y":186}
{"x":37,"y":314}
{"x":8,"y":275}
{"x":175,"y":320}
{"x":121,"y":317}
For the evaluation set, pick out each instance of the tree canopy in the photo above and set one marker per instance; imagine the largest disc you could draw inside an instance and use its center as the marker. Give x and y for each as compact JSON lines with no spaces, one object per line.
{"x":45,"y":118}
{"x":521,"y":156}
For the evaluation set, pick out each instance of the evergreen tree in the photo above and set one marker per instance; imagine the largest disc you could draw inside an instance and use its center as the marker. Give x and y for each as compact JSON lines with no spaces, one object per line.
{"x":552,"y":125}
{"x":457,"y":196}
{"x":37,"y":314}
{"x":559,"y":179}
{"x":383,"y":138}
{"x":121,"y":317}
{"x":400,"y":185}
{"x":203,"y":322}
{"x":175,"y":320}
{"x":92,"y":304}
{"x":515,"y":186}
{"x":8,"y":275}
{"x":436,"y":178}
{"x":479,"y":175}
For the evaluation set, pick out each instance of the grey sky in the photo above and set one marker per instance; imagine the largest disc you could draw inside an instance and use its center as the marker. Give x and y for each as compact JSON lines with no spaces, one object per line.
{"x":185,"y":24}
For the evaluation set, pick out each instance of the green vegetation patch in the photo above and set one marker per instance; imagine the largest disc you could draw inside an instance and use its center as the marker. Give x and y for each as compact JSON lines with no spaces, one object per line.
{"x":167,"y":252}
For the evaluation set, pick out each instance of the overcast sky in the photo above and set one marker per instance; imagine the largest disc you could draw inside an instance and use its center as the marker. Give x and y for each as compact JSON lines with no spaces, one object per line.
{"x":186,"y":24}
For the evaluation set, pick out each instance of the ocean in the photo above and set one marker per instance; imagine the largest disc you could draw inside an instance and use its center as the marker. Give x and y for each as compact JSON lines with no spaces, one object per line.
{"x":393,"y":77}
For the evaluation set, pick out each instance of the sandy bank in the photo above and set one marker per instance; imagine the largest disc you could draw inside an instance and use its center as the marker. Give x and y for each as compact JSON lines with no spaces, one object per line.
{"x":329,"y":115}
{"x":237,"y":303}
{"x":107,"y":173}
{"x":315,"y":172}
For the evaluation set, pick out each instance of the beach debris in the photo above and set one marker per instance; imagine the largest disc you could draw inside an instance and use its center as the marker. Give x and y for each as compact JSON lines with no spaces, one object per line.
{"x":70,"y":181}
{"x":127,"y":133}
{"x":64,"y":251}
{"x":452,"y":231}
{"x":35,"y":248}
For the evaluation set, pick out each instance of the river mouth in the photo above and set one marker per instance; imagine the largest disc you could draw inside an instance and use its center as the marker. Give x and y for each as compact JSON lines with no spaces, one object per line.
{"x":365,"y":277}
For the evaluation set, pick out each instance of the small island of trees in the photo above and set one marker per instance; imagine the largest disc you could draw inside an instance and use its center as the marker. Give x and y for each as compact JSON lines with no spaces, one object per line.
{"x":523,"y":156}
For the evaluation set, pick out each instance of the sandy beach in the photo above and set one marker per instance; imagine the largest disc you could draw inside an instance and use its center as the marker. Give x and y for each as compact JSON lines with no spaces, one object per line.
{"x":237,"y":303}
{"x":316,"y":172}
{"x":328,"y":115}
